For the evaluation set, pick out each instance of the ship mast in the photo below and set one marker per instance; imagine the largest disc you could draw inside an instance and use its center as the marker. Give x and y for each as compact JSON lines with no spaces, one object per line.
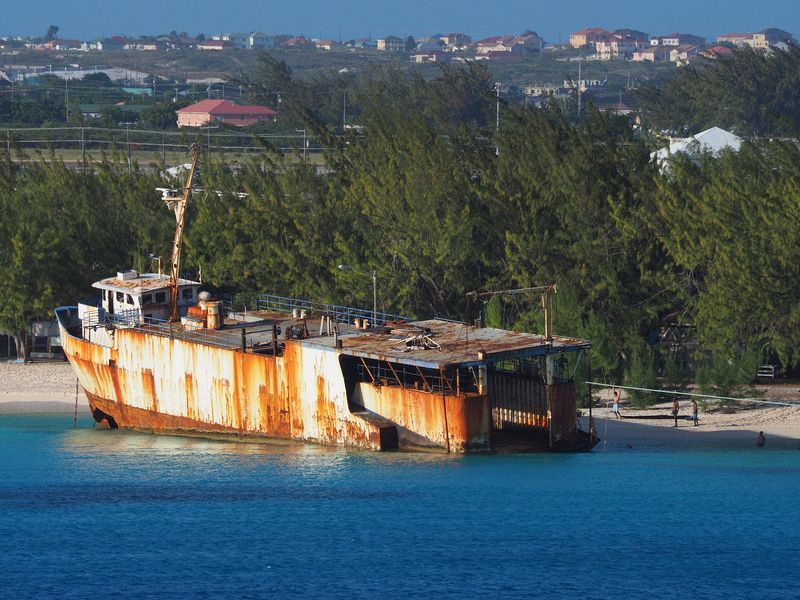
{"x":178,"y":205}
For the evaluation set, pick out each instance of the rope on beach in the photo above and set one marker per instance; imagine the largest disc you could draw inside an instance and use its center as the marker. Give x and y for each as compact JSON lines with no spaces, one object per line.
{"x":712,"y":397}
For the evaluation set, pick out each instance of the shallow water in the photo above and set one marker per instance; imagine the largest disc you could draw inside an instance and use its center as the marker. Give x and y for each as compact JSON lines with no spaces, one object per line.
{"x":97,"y":513}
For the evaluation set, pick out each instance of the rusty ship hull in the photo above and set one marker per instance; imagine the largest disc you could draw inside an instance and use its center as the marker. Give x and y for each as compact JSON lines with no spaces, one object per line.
{"x":347,"y":393}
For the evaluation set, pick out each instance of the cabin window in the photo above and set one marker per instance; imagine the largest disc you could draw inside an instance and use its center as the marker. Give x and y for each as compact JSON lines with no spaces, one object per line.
{"x":128,"y":299}
{"x":161,"y":297}
{"x":105,"y":296}
{"x":186,"y":293}
{"x":147,"y":299}
{"x":120,"y":297}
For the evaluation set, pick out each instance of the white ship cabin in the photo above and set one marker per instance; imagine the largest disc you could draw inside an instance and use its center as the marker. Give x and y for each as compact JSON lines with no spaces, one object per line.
{"x":148,"y":293}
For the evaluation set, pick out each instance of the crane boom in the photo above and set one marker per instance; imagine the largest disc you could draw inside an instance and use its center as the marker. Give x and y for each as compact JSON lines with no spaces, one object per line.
{"x":178,"y":205}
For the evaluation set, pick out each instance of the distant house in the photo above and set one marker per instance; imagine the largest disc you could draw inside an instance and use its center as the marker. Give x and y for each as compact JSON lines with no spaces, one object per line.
{"x":256,"y":39}
{"x":391,"y":43}
{"x":588,"y":37}
{"x":771,"y":37}
{"x":762,"y":40}
{"x":616,"y":49}
{"x":677,"y":39}
{"x":326,"y":44}
{"x":104,"y":44}
{"x":631,"y":35}
{"x":508,"y":44}
{"x":214,"y":45}
{"x":456,"y":40}
{"x":297,"y":41}
{"x":437,"y":56}
{"x":222,"y":111}
{"x":652,"y":54}
{"x":428,"y":44}
{"x":717,"y":52}
{"x":681,"y":54}
{"x":713,"y":141}
{"x":236,"y":40}
{"x":63,"y":45}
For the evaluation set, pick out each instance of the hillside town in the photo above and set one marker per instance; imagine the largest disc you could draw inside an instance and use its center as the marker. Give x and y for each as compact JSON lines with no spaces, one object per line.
{"x":597,"y":44}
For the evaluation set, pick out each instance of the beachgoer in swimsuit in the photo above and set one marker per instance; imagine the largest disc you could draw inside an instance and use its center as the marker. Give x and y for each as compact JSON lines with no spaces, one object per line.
{"x":694,"y":412}
{"x":761,"y":439}
{"x":675,"y":408}
{"x":615,"y":405}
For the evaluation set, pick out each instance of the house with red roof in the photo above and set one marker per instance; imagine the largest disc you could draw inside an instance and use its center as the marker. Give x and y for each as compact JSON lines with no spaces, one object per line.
{"x":222,"y":111}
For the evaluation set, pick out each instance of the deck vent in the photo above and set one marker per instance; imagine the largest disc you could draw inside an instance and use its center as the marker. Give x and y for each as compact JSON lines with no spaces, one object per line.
{"x":127,"y":275}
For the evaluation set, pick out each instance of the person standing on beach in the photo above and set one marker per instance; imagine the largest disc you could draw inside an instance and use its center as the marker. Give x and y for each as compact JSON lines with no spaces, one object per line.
{"x":615,"y":404}
{"x":675,"y":408}
{"x":694,"y":411}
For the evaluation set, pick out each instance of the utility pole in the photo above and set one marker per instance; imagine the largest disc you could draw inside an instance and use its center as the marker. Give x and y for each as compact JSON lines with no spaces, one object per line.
{"x":580,"y":83}
{"x":497,"y":118}
{"x":344,"y":108}
{"x":66,"y":97}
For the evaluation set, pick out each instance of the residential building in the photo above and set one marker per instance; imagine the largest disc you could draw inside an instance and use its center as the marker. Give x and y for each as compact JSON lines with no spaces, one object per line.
{"x":428,"y":44}
{"x":222,"y":111}
{"x":235,"y":40}
{"x":677,"y":39}
{"x":771,"y":37}
{"x":717,"y":52}
{"x":652,"y":54}
{"x":588,"y":37}
{"x":681,"y":54}
{"x":326,"y":44}
{"x":63,"y":45}
{"x":456,"y":40}
{"x":632,"y":35}
{"x":391,"y":43}
{"x":214,"y":45}
{"x":740,"y":40}
{"x":509,"y":44}
{"x":437,"y":56}
{"x":256,"y":39}
{"x":713,"y":141}
{"x":616,"y":49}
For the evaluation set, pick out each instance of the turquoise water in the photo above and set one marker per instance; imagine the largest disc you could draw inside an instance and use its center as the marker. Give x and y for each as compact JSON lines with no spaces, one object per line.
{"x":98,"y":513}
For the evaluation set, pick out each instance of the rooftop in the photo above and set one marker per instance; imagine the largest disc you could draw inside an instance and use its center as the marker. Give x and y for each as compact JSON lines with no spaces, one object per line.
{"x":145,"y":282}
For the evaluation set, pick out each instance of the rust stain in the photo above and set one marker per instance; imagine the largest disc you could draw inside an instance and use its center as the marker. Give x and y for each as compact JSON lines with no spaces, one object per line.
{"x":149,"y":387}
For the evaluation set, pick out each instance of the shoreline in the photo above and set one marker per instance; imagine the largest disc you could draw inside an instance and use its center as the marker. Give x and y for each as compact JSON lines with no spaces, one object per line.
{"x":49,"y":387}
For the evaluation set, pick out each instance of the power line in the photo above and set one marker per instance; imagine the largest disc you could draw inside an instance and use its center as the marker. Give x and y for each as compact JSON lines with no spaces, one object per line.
{"x":690,"y":394}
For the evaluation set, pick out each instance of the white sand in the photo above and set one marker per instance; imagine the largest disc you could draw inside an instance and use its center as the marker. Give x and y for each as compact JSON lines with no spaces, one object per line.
{"x":733,"y":428}
{"x":38,"y":387}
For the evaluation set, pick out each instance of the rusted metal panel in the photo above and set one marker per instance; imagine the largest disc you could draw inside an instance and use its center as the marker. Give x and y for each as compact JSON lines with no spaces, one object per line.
{"x":429,"y":420}
{"x":163,"y":383}
{"x":173,"y":384}
{"x":518,"y":403}
{"x":455,"y":344}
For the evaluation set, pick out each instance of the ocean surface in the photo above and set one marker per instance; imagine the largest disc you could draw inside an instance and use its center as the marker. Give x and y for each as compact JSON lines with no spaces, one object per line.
{"x":113,"y":514}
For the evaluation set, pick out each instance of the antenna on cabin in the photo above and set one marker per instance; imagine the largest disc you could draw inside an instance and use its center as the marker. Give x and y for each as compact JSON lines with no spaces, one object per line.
{"x":178,"y":206}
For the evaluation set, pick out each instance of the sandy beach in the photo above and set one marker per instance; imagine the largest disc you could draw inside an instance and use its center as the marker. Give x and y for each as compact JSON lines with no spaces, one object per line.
{"x":38,"y":387}
{"x":50,"y":387}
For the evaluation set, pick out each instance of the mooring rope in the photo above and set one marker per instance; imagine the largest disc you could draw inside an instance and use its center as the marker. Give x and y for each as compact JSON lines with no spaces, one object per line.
{"x":690,"y":394}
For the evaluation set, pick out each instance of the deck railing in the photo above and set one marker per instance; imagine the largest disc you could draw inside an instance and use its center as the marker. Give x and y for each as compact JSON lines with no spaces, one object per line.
{"x":341,"y":314}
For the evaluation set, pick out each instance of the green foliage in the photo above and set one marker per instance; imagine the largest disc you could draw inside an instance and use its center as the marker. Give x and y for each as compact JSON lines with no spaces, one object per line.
{"x":752,"y":93}
{"x":641,"y":372}
{"x":729,"y":374}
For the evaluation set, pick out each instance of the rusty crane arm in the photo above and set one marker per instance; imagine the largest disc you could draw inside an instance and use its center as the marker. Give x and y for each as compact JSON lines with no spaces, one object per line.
{"x":546,"y":292}
{"x":178,"y":206}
